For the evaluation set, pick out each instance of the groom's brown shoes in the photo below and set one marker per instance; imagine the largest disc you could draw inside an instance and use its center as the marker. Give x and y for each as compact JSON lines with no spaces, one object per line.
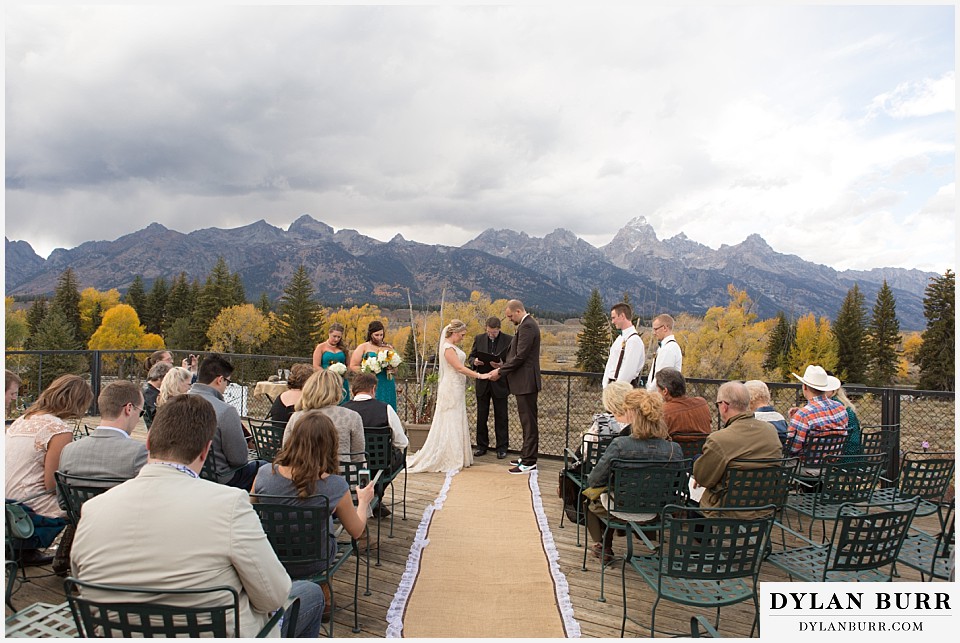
{"x":480,"y":451}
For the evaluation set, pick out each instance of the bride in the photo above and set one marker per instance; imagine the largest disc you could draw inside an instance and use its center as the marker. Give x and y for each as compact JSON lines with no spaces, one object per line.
{"x":447,"y":447}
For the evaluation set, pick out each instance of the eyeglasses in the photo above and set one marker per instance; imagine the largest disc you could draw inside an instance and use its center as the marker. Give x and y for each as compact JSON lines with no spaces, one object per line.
{"x":719,"y":402}
{"x":141,"y":409}
{"x":656,"y":328}
{"x":227,"y":380}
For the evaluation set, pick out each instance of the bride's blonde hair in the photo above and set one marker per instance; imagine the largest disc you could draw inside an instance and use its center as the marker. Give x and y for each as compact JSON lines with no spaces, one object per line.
{"x":455,"y":326}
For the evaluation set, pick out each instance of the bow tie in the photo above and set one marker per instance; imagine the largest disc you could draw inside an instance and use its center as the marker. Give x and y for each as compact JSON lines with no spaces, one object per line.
{"x":659,"y":344}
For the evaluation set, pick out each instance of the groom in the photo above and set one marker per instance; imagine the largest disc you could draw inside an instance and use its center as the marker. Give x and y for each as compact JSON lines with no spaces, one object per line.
{"x":522,"y":370}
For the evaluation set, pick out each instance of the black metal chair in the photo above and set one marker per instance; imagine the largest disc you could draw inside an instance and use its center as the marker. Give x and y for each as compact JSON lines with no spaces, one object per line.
{"x":127,"y":617}
{"x":350,"y":470}
{"x":209,"y":471}
{"x":267,"y":435}
{"x":866,"y":539}
{"x":299,"y":530}
{"x":930,"y":554}
{"x":844,"y":481}
{"x":926,"y":475}
{"x":639,"y":490}
{"x":877,"y":439}
{"x":690,"y":443}
{"x":577,"y":469}
{"x":816,"y":450}
{"x":703,"y":562}
{"x":379,"y":447}
{"x":73,"y":491}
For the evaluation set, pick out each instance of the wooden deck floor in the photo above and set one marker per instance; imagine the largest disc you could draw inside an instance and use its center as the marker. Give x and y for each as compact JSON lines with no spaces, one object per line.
{"x":597,"y":620}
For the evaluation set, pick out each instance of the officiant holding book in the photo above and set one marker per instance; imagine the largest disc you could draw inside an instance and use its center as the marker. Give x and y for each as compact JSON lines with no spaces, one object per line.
{"x":489,"y":352}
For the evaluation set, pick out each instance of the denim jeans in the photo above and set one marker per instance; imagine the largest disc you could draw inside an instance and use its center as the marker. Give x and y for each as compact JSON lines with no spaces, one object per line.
{"x":311,"y":610}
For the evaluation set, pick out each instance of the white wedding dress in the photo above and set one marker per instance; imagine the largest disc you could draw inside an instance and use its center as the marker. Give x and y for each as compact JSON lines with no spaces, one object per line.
{"x":447,"y":447}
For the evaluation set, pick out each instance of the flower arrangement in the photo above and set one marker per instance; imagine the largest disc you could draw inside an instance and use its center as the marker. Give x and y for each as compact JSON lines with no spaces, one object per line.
{"x":338,"y":367}
{"x":370,"y":365}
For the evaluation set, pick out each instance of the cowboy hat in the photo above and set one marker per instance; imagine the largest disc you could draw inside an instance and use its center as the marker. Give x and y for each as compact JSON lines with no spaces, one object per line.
{"x":816,"y":378}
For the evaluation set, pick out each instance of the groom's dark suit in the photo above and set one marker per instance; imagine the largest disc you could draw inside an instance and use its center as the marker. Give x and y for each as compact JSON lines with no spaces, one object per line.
{"x":488,"y":390}
{"x":522,"y":370}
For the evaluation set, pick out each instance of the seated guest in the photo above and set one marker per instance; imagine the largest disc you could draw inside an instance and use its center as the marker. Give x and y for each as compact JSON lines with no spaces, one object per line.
{"x":648,"y":440}
{"x":854,"y":443}
{"x":377,"y":414}
{"x":682,"y":414}
{"x":308,"y":465}
{"x":283,"y":406}
{"x":821,"y":414}
{"x":32,"y":446}
{"x":108,"y":452}
{"x":742,"y":436}
{"x":167,"y":528}
{"x":614,"y":402}
{"x":229,"y":449}
{"x":762,"y":407}
{"x":12,"y":388}
{"x":152,"y":389}
{"x":175,"y":382}
{"x":322,"y":391}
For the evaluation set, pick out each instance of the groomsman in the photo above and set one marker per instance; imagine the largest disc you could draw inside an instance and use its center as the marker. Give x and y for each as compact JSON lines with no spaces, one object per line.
{"x":668,"y":350}
{"x":522,"y":370}
{"x":491,"y":342}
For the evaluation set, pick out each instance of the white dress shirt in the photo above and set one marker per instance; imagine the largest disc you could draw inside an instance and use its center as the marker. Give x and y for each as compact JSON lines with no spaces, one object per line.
{"x":400,"y":440}
{"x":633,"y":357}
{"x":668,"y":356}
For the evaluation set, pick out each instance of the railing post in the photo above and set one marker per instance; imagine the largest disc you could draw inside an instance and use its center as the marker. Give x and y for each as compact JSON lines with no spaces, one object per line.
{"x":566,"y":438}
{"x":890,"y":416}
{"x":95,"y":383}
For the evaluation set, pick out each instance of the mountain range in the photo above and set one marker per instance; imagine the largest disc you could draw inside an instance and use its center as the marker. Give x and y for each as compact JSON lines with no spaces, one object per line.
{"x":554,"y":273}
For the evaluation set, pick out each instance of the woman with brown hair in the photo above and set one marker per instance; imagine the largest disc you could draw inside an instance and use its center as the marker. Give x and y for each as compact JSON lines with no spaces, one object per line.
{"x":308,"y":466}
{"x":284,"y":406}
{"x":334,"y":351}
{"x":649,"y":439}
{"x":32,"y":448}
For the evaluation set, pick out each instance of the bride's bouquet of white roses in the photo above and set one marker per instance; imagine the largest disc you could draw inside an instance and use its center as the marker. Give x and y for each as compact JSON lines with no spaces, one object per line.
{"x":338,"y":367}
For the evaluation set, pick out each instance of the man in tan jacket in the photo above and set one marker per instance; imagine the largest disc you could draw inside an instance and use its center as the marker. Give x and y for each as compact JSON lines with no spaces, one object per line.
{"x":168,"y":528}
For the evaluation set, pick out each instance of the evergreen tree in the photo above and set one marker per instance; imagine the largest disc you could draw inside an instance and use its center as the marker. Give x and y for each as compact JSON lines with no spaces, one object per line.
{"x":179,"y":303}
{"x":35,"y":315}
{"x":96,"y":316}
{"x":219,"y":292}
{"x":782,"y":339}
{"x":56,"y":333}
{"x":180,"y":335}
{"x":156,"y":306}
{"x":884,"y":334}
{"x":626,"y":300}
{"x":850,"y":331}
{"x":264,"y":304}
{"x":137,"y":297}
{"x":239,"y":294}
{"x":66,"y":299}
{"x":300,"y":318}
{"x":937,"y":354}
{"x":593,"y":342}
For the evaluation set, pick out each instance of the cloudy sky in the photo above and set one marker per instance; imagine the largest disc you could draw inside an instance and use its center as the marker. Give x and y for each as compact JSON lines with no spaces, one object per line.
{"x":830,"y":131}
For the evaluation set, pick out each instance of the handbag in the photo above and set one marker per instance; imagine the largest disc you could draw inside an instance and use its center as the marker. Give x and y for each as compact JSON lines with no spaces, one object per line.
{"x":18,"y":522}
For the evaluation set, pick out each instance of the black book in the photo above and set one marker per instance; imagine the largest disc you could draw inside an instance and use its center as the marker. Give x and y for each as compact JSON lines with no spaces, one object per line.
{"x":486,"y":358}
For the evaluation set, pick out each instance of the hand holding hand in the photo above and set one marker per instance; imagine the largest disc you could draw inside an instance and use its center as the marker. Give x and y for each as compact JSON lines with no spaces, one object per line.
{"x":494,"y":375}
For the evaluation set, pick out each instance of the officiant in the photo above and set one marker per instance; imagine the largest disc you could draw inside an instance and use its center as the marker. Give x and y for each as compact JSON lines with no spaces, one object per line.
{"x":489,"y":351}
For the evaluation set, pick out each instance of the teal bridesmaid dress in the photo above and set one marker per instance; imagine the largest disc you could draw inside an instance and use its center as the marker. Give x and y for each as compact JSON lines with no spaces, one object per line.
{"x":386,"y":388}
{"x":329,"y":358}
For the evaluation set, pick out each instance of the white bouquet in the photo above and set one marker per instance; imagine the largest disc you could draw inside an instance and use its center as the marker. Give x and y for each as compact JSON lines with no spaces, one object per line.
{"x":338,"y":367}
{"x":370,"y":365}
{"x":389,"y":358}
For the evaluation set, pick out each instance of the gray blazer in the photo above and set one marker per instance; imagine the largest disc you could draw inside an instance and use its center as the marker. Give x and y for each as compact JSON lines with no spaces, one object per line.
{"x":229,"y":449}
{"x":104,"y":454}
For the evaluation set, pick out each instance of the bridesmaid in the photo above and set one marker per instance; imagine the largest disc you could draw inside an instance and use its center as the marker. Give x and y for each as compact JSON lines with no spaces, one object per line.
{"x":330,"y":352}
{"x":386,"y":386}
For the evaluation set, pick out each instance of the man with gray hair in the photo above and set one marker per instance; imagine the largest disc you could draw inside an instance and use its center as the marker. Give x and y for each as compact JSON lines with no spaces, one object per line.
{"x":152,"y":389}
{"x":742,"y":436}
{"x":762,"y":407}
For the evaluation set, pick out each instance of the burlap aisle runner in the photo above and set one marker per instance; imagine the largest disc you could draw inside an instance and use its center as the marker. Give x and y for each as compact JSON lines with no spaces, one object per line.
{"x":485,"y":566}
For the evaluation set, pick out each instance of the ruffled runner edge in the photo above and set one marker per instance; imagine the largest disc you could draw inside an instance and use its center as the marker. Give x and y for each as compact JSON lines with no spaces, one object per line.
{"x":561,"y":587}
{"x":399,"y":603}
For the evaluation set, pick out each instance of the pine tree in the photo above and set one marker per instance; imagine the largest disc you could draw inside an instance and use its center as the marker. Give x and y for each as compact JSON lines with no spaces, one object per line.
{"x":626,"y":300}
{"x":156,"y":306}
{"x":179,"y":304}
{"x":264,"y":304}
{"x":299,"y":316}
{"x":781,"y":342}
{"x":55,"y":333}
{"x":137,"y":297}
{"x":96,"y":316}
{"x":884,"y":335}
{"x":850,"y":330}
{"x":35,"y":314}
{"x":239,"y":294}
{"x":937,"y":354}
{"x":409,"y":355}
{"x":219,"y":292}
{"x":66,"y":299}
{"x":593,"y":342}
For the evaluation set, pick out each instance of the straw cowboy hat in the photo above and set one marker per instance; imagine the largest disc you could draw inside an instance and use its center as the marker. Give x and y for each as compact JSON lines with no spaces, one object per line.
{"x":816,"y":378}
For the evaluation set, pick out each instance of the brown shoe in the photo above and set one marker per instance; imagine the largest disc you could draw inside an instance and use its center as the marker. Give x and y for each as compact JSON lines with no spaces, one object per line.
{"x":327,"y":604}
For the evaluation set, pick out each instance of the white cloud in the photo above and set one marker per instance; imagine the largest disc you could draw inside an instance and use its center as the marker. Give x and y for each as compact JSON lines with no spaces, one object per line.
{"x":919,"y":98}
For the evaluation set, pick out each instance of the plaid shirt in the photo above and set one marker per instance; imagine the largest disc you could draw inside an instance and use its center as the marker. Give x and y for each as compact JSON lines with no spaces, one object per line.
{"x":820,"y":415}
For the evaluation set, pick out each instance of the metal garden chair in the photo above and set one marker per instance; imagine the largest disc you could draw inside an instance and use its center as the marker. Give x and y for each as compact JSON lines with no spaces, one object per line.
{"x":930,"y":554}
{"x":267,"y":435}
{"x":639,"y":490}
{"x":757,"y":482}
{"x":128,"y":616}
{"x":707,"y":562}
{"x":926,"y":475}
{"x":299,"y":530}
{"x":591,"y":452}
{"x":379,"y":447}
{"x":350,"y":470}
{"x":816,"y":450}
{"x":73,"y":491}
{"x":690,"y":443}
{"x":866,"y":539}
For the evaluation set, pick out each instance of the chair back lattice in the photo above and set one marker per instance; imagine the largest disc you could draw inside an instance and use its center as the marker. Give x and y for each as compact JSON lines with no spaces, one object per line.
{"x":849,"y":479}
{"x":865,"y":541}
{"x":927,"y":475}
{"x":697,"y":547}
{"x":757,"y":482}
{"x":592,"y":452}
{"x":298,"y":529}
{"x":818,"y":448}
{"x":647,"y":486}
{"x":876,"y":440}
{"x":378,"y":443}
{"x":690,"y":443}
{"x":268,"y":436}
{"x":76,"y":490}
{"x":124,"y":617}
